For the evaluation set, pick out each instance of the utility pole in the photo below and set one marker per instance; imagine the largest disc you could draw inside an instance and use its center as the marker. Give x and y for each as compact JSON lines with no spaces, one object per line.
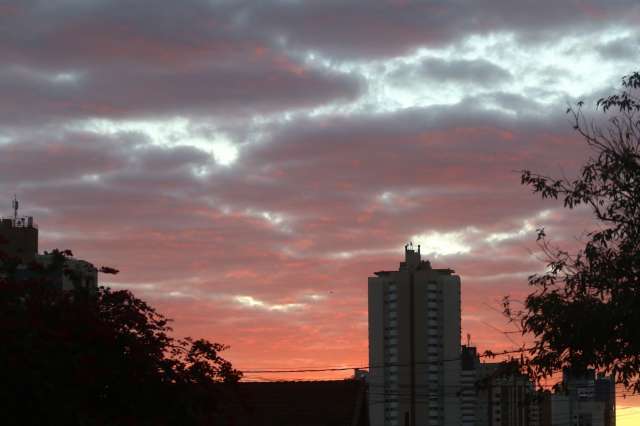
{"x":412,"y":360}
{"x":15,"y":208}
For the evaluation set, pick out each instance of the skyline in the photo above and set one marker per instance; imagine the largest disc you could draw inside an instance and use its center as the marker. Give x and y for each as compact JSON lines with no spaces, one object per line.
{"x":247,"y":166}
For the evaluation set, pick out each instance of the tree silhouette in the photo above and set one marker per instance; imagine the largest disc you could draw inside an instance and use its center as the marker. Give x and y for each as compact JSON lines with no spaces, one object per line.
{"x":585,"y":310}
{"x":100,"y":357}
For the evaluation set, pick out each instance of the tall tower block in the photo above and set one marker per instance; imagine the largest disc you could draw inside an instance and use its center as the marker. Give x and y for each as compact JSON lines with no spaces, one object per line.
{"x":414,"y":345}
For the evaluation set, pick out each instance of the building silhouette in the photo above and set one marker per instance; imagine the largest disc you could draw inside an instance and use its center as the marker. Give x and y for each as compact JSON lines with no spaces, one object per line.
{"x":584,"y":399}
{"x":18,"y":236}
{"x":414,"y":345}
{"x":19,"y":245}
{"x":496,"y":393}
{"x":419,"y":374}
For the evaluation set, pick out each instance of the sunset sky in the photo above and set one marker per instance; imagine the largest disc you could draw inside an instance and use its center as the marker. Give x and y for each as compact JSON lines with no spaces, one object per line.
{"x":247,"y":165}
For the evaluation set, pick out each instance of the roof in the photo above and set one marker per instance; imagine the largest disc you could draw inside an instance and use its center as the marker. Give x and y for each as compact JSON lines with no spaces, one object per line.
{"x":313,"y":403}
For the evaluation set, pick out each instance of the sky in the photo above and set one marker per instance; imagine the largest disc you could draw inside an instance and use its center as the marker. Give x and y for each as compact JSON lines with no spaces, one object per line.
{"x":247,"y":165}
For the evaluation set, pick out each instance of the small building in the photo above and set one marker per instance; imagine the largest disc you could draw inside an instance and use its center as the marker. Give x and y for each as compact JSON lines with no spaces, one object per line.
{"x":584,"y":399}
{"x":19,"y":246}
{"x":73,"y":273}
{"x":18,"y":236}
{"x":496,"y":394}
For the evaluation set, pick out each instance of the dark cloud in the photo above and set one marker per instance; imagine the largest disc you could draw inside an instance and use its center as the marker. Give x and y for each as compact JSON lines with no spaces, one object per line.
{"x":317,"y":199}
{"x":479,"y":72}
{"x":625,"y":48}
{"x":49,"y":158}
{"x":114,"y":59}
{"x":362,"y":29}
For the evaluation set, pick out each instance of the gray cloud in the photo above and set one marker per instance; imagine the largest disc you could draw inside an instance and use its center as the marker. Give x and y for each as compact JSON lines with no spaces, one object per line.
{"x":362,"y":29}
{"x":478,"y":72}
{"x":355,"y":176}
{"x":112,"y":59}
{"x":626,"y":48}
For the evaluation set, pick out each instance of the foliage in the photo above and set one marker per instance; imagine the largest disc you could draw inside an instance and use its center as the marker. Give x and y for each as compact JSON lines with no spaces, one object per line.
{"x":585,"y":309}
{"x":100,"y":357}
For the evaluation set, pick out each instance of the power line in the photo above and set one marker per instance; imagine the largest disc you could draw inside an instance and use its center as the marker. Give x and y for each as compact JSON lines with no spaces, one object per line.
{"x":364,"y":367}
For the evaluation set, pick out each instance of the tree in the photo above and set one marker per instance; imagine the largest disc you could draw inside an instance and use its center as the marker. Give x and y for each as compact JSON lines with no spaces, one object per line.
{"x":100,"y":358}
{"x":585,"y":309}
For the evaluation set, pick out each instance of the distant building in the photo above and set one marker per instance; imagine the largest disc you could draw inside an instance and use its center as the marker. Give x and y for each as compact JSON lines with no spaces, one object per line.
{"x":74,"y":272}
{"x":19,"y":242}
{"x":584,"y":400}
{"x":414,"y":345}
{"x":470,"y":403}
{"x":514,"y":401}
{"x":18,"y":236}
{"x":495,"y":394}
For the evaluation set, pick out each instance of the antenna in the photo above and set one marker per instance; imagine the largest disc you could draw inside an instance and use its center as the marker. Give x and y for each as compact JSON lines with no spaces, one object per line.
{"x":15,"y":207}
{"x":468,"y":340}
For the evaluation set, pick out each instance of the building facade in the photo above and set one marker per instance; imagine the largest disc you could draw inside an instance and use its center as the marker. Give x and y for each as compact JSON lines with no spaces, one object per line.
{"x":71,"y":274}
{"x":414,"y":345}
{"x":469,"y":391}
{"x":496,"y":393}
{"x":583,"y":400}
{"x":19,"y":245}
{"x":19,"y":238}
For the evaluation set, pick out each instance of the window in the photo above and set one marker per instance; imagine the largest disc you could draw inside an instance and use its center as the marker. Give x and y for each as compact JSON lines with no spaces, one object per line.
{"x":585,"y":419}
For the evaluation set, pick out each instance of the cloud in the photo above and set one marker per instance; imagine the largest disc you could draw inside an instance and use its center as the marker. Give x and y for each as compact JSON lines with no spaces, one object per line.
{"x":621,"y":48}
{"x":242,"y":161}
{"x":251,"y":302}
{"x":442,"y":244}
{"x":475,"y":72}
{"x":366,"y":30}
{"x":94,"y":60}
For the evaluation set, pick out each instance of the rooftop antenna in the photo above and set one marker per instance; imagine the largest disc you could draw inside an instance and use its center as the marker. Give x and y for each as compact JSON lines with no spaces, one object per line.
{"x":468,"y":340}
{"x":15,"y":207}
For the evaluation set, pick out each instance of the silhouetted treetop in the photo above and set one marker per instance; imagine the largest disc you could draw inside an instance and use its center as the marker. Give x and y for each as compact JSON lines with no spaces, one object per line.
{"x":585,"y":309}
{"x":101,"y":358}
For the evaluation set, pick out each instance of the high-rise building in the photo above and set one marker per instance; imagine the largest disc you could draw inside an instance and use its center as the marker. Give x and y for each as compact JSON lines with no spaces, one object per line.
{"x":496,"y":394}
{"x":414,"y":345}
{"x":584,"y":399}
